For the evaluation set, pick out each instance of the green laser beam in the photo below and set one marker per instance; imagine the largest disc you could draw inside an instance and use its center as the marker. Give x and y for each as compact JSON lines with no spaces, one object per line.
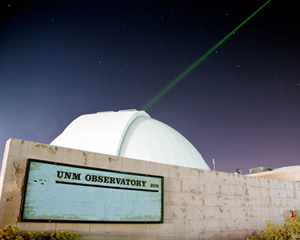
{"x":176,"y":80}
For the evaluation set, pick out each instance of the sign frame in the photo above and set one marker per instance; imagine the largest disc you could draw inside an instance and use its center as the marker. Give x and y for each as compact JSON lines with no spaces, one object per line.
{"x":25,"y":190}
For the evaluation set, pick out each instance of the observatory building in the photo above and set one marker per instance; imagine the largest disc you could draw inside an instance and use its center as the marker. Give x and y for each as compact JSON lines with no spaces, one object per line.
{"x":130,"y":134}
{"x":160,"y":182}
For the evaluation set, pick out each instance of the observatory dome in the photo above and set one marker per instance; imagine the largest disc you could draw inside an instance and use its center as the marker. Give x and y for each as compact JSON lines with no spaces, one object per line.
{"x":131,"y":134}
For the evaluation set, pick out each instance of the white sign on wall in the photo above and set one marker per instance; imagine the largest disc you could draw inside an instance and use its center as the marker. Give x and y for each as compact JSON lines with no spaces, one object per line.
{"x":66,"y":193}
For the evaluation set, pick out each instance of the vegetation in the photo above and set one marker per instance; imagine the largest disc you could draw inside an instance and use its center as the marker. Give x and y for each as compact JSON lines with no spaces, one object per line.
{"x":11,"y":233}
{"x":290,"y":230}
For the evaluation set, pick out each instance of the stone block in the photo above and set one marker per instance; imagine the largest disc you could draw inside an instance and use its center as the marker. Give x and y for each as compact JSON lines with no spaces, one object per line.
{"x":231,"y":179}
{"x":109,"y":229}
{"x":144,"y":237}
{"x":209,"y":235}
{"x":273,"y":193}
{"x":209,"y":201}
{"x":173,"y":236}
{"x":223,"y":213}
{"x":37,"y":227}
{"x":178,"y":199}
{"x":132,"y":165}
{"x":224,"y":189}
{"x":200,"y":213}
{"x":238,"y":213}
{"x":107,"y":162}
{"x":7,"y":220}
{"x":223,"y":177}
{"x":278,"y":221}
{"x":275,"y":202}
{"x":5,"y":157}
{"x":156,"y":228}
{"x":18,"y":148}
{"x":275,"y":213}
{"x":250,"y":181}
{"x":256,"y":202}
{"x":12,"y":186}
{"x":134,"y":229}
{"x":248,"y":201}
{"x":15,"y":166}
{"x":197,"y":226}
{"x":283,"y":203}
{"x":237,"y":235}
{"x":258,"y":182}
{"x":165,"y":171}
{"x":119,"y":237}
{"x":297,"y":195}
{"x":209,"y":176}
{"x":195,"y":200}
{"x":186,"y":212}
{"x":258,"y":192}
{"x":262,"y":213}
{"x":78,"y":228}
{"x":179,"y":172}
{"x":10,"y":211}
{"x":78,"y":157}
{"x":260,"y":223}
{"x":167,"y":212}
{"x":264,"y":182}
{"x":289,"y":193}
{"x":266,"y":202}
{"x":196,"y":174}
{"x":237,"y":190}
{"x":173,"y":184}
{"x":209,"y":213}
{"x":251,"y":213}
{"x":293,"y":202}
{"x":207,"y":188}
{"x":264,"y":193}
{"x":224,"y":201}
{"x":166,"y":199}
{"x":274,"y":183}
{"x":237,"y":202}
{"x":286,"y":213}
{"x":218,"y":189}
{"x":46,"y":152}
{"x":290,"y":186}
{"x":154,"y":168}
{"x":174,"y":212}
{"x":191,"y":236}
{"x":213,"y":225}
{"x":240,"y":180}
{"x":230,"y":224}
{"x":179,"y":226}
{"x":282,"y":193}
{"x":189,"y":186}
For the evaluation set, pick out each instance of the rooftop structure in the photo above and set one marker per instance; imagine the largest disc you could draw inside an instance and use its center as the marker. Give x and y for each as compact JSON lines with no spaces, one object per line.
{"x":131,"y":134}
{"x":291,"y":173}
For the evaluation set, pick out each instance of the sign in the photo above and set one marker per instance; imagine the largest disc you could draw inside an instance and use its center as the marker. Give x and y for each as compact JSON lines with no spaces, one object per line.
{"x":57,"y":192}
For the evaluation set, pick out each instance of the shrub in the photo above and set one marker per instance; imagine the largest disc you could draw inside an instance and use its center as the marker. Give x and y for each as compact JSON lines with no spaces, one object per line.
{"x":290,"y":230}
{"x":11,"y":233}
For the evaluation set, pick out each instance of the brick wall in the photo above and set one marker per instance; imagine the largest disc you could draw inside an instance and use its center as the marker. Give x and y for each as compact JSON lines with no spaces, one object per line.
{"x":198,"y":204}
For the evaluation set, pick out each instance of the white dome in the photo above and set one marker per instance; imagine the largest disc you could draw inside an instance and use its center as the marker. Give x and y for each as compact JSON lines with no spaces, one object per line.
{"x":131,"y":134}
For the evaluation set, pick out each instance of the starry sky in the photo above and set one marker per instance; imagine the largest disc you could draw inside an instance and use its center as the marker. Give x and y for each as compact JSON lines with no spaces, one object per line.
{"x":60,"y":59}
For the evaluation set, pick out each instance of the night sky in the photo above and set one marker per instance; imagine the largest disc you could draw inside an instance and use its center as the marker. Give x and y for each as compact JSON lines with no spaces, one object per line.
{"x":60,"y":59}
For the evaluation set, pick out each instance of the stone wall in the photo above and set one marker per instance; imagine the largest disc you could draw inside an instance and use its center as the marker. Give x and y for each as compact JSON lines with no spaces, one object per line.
{"x":198,"y":204}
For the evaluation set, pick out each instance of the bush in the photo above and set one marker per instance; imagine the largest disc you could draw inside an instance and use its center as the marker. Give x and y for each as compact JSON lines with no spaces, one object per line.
{"x":11,"y":233}
{"x":290,"y":230}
